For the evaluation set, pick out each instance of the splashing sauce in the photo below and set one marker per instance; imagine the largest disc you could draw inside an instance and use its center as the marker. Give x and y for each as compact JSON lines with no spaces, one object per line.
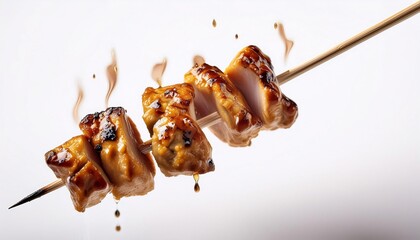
{"x":77,"y":104}
{"x":112,"y":75}
{"x":198,"y":60}
{"x":288,"y":44}
{"x":158,"y":70}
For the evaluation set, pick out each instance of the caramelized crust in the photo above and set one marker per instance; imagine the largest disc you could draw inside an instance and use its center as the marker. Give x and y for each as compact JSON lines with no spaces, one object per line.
{"x":252,"y":73}
{"x":79,"y":167}
{"x":169,"y":100}
{"x":115,"y":136}
{"x":215,"y":92}
{"x":180,"y":147}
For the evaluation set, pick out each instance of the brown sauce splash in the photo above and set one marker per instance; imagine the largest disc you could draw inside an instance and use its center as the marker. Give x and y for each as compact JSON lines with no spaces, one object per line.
{"x":158,"y":70}
{"x":112,"y":75}
{"x":214,"y":23}
{"x":77,"y":104}
{"x":198,"y":60}
{"x":288,"y":44}
{"x":236,"y":36}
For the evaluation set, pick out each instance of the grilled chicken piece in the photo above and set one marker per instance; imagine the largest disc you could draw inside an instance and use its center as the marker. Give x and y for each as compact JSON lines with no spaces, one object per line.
{"x":167,"y":100}
{"x":79,"y":167}
{"x":215,"y":92}
{"x":252,"y":73}
{"x":180,"y":147}
{"x":117,"y":139}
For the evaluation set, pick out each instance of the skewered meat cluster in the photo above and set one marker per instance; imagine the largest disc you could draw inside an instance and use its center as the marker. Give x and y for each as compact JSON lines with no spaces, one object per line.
{"x":111,"y":157}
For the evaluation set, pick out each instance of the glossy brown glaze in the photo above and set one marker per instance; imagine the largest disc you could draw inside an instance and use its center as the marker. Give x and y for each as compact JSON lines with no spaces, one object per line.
{"x":129,"y":170}
{"x":215,"y":92}
{"x":79,"y":167}
{"x":252,"y":73}
{"x":180,"y":146}
{"x":170,"y":100}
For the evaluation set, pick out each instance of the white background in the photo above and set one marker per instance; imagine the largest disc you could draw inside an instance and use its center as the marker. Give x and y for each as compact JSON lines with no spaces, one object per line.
{"x":348,"y":169}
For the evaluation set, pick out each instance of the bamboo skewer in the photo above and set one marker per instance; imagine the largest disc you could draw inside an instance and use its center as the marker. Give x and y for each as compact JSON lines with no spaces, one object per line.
{"x":398,"y":17}
{"x":282,"y":78}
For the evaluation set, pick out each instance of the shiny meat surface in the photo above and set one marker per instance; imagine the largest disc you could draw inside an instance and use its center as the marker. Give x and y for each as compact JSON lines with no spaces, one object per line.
{"x":79,"y":167}
{"x":215,"y":92}
{"x":117,"y":139}
{"x":180,"y":147}
{"x":169,"y":100}
{"x":252,"y":73}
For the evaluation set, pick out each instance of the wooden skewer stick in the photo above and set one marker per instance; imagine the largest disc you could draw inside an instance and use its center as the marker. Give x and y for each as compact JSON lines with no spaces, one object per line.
{"x":400,"y":16}
{"x":281,"y":79}
{"x":145,"y":147}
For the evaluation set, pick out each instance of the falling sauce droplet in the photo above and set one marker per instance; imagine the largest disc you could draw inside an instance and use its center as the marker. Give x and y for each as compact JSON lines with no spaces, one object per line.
{"x":236,"y":36}
{"x":214,"y":23}
{"x":198,"y":60}
{"x":196,"y":177}
{"x":112,"y":74}
{"x":196,"y":187}
{"x":117,"y":215}
{"x":118,"y":228}
{"x":93,"y":76}
{"x":288,"y":44}
{"x":77,"y":105}
{"x":275,"y":25}
{"x":158,"y":70}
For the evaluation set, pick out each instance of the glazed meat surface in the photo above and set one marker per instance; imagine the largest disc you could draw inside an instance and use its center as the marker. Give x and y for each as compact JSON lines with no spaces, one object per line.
{"x":169,"y":100}
{"x":252,"y":73}
{"x":79,"y":167}
{"x":116,"y":138}
{"x":180,"y":147}
{"x":215,"y":92}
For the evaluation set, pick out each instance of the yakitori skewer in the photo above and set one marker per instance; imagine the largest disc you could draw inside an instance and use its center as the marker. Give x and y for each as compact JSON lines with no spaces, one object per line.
{"x":284,"y":77}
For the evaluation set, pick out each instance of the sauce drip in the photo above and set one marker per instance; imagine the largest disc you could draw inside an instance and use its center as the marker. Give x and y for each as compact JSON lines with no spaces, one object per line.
{"x":196,"y":185}
{"x":158,"y":70}
{"x":198,"y":60}
{"x":77,"y":104}
{"x":112,"y":75}
{"x":94,"y":76}
{"x":288,"y":44}
{"x":236,"y":36}
{"x":214,"y":23}
{"x":117,"y":215}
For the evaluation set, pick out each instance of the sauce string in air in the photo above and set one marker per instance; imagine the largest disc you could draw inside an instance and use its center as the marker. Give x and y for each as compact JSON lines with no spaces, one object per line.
{"x":158,"y":70}
{"x":112,"y":75}
{"x":77,"y":104}
{"x":198,"y":60}
{"x":288,"y":44}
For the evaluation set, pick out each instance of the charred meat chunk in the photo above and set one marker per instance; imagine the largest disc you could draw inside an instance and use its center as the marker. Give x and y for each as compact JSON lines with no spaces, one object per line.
{"x":252,"y":73}
{"x":79,"y":167}
{"x":114,"y":134}
{"x":215,"y":92}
